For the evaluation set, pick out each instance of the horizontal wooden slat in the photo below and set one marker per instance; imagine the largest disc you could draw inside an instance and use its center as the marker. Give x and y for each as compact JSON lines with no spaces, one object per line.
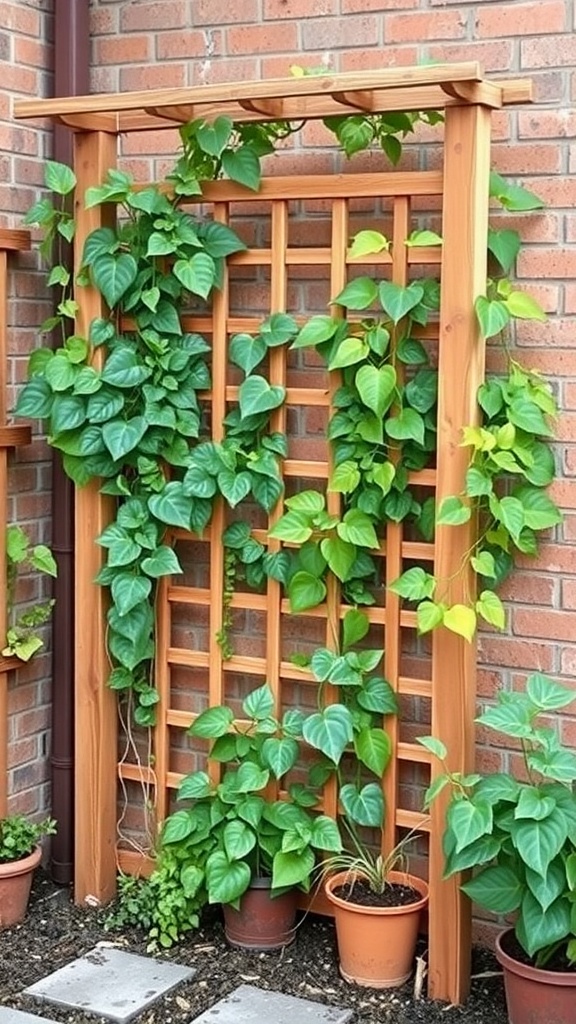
{"x":14,"y":437}
{"x":9,"y":664}
{"x":14,"y":239}
{"x":415,"y":687}
{"x":136,"y":773}
{"x":413,"y":752}
{"x":412,"y":820}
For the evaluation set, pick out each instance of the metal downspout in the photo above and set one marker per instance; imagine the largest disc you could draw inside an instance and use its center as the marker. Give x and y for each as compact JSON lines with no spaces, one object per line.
{"x":71,"y":78}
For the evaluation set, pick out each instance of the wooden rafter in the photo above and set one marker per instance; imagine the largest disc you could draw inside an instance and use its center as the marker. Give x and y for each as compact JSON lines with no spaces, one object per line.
{"x":293,"y":99}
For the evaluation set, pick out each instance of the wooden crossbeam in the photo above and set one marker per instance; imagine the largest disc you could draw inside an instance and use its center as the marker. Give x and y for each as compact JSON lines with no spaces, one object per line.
{"x":402,"y":89}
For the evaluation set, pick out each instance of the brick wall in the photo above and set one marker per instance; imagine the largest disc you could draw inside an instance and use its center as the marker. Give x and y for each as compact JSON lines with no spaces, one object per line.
{"x":25,"y":59}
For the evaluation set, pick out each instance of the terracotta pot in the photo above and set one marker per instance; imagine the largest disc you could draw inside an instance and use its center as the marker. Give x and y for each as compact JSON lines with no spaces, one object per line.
{"x":15,"y":884}
{"x":535,"y":995}
{"x":263,"y":921}
{"x":376,"y":944}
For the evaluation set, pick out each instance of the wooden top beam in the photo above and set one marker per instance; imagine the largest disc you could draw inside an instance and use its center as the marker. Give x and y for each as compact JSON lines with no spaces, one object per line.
{"x":309,"y":97}
{"x":14,"y":239}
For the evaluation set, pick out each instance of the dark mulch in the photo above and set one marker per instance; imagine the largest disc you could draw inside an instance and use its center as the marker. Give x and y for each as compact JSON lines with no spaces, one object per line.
{"x":56,"y":932}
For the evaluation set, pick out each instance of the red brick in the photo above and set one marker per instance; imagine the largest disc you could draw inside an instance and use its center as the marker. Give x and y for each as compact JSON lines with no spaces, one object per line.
{"x":262,"y":39}
{"x":529,"y":588}
{"x":546,"y":124}
{"x":123,"y":49}
{"x":363,"y":6}
{"x":547,"y":262}
{"x":551,"y":51}
{"x":279,"y":9}
{"x":355,"y":60}
{"x":335,"y":33}
{"x":32,"y":52}
{"x":549,"y":625}
{"x":223,"y":12}
{"x":20,"y":18}
{"x":171,"y":45}
{"x":493,"y":56}
{"x":138,"y":16}
{"x":153,"y":76}
{"x":569,"y":594}
{"x":413,"y":28}
{"x":514,"y":19}
{"x":527,"y":158}
{"x":103,"y":21}
{"x":505,"y":651}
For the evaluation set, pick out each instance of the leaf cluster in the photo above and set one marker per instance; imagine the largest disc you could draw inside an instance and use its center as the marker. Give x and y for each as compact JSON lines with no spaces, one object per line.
{"x":19,"y":836}
{"x":520,"y":836}
{"x":22,"y":641}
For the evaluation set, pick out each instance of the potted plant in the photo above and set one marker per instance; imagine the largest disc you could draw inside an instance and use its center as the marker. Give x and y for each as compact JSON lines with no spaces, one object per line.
{"x":20,"y":854}
{"x":247,"y":849}
{"x":520,"y":836}
{"x":377,"y":906}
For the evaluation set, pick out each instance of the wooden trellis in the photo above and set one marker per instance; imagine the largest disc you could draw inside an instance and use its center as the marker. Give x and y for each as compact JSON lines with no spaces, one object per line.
{"x":461,"y":186}
{"x":11,"y":436}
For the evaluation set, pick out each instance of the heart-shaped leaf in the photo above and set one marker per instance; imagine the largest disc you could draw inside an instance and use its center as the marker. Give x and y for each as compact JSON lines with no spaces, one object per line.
{"x":113,"y":275}
{"x":257,"y":395}
{"x":376,"y":387}
{"x":329,"y":731}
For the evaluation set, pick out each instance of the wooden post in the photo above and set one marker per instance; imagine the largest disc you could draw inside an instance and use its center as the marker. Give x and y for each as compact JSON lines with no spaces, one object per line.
{"x":3,"y":523}
{"x":461,"y":371}
{"x":95,"y":714}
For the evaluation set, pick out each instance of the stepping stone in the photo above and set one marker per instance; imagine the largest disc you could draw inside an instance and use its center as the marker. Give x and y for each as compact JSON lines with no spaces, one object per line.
{"x":250,"y":1005}
{"x":110,"y":983}
{"x":9,"y":1016}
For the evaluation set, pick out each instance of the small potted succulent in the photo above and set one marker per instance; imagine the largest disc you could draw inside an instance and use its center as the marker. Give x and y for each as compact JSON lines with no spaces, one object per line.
{"x":248,"y":850}
{"x":20,"y":854}
{"x":519,"y":836}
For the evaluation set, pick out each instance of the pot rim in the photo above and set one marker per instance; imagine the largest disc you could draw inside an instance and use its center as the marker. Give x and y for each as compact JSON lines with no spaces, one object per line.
{"x":402,"y":877}
{"x":539,"y":974}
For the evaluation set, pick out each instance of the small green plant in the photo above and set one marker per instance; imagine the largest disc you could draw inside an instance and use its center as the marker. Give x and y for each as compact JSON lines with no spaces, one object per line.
{"x":362,"y":861}
{"x":519,"y":835}
{"x":21,"y":639}
{"x":19,"y":836}
{"x":232,"y":830}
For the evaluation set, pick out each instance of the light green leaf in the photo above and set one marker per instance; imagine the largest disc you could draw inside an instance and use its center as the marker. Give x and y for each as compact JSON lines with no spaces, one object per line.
{"x":259,"y":704}
{"x":345,"y":478}
{"x":524,"y":307}
{"x":329,"y":731}
{"x":364,"y":806}
{"x":315,"y":331}
{"x":358,"y":294}
{"x":492,"y":314}
{"x":355,"y":626}
{"x":373,"y":748}
{"x":234,"y":486}
{"x":397,"y":301}
{"x":420,"y":238}
{"x":239,"y":839}
{"x":490,"y":607}
{"x":461,"y":620}
{"x":367,"y":242}
{"x":453,"y":512}
{"x":415,"y":584}
{"x":484,"y":564}
{"x":257,"y":395}
{"x":305,"y":591}
{"x":357,"y":528}
{"x":59,"y":178}
{"x":540,"y":512}
{"x":546,"y":694}
{"x":468,"y":820}
{"x":407,"y":425}
{"x":434,"y":745}
{"x":309,"y":502}
{"x":212,"y":723}
{"x":376,"y":387}
{"x":247,"y":351}
{"x":197,"y":273}
{"x":280,"y":755}
{"x":161,"y":562}
{"x":293,"y":527}
{"x":340,"y":556}
{"x":349,"y":351}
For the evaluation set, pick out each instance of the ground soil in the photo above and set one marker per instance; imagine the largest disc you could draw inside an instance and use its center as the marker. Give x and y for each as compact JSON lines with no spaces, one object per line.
{"x":56,"y":932}
{"x":394,"y":895}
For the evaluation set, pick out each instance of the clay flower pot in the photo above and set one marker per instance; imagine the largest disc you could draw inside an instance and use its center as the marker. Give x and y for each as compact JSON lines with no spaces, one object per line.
{"x":263,"y":921}
{"x":15,"y":885}
{"x":534,"y":994}
{"x":376,"y":944}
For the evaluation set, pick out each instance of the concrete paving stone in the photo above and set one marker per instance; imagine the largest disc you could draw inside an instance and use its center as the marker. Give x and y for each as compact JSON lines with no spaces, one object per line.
{"x":10,"y":1016}
{"x":110,"y":983}
{"x":250,"y":1005}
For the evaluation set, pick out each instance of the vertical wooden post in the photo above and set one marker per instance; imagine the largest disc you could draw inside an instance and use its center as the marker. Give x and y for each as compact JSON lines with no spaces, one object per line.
{"x":461,"y":371}
{"x":95,"y":714}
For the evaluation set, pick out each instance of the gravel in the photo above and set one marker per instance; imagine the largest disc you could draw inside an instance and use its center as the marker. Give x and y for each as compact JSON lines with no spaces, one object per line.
{"x":56,"y":932}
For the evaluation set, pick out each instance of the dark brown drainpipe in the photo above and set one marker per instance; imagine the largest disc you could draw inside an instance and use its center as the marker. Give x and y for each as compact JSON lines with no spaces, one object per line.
{"x":71,"y":78}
